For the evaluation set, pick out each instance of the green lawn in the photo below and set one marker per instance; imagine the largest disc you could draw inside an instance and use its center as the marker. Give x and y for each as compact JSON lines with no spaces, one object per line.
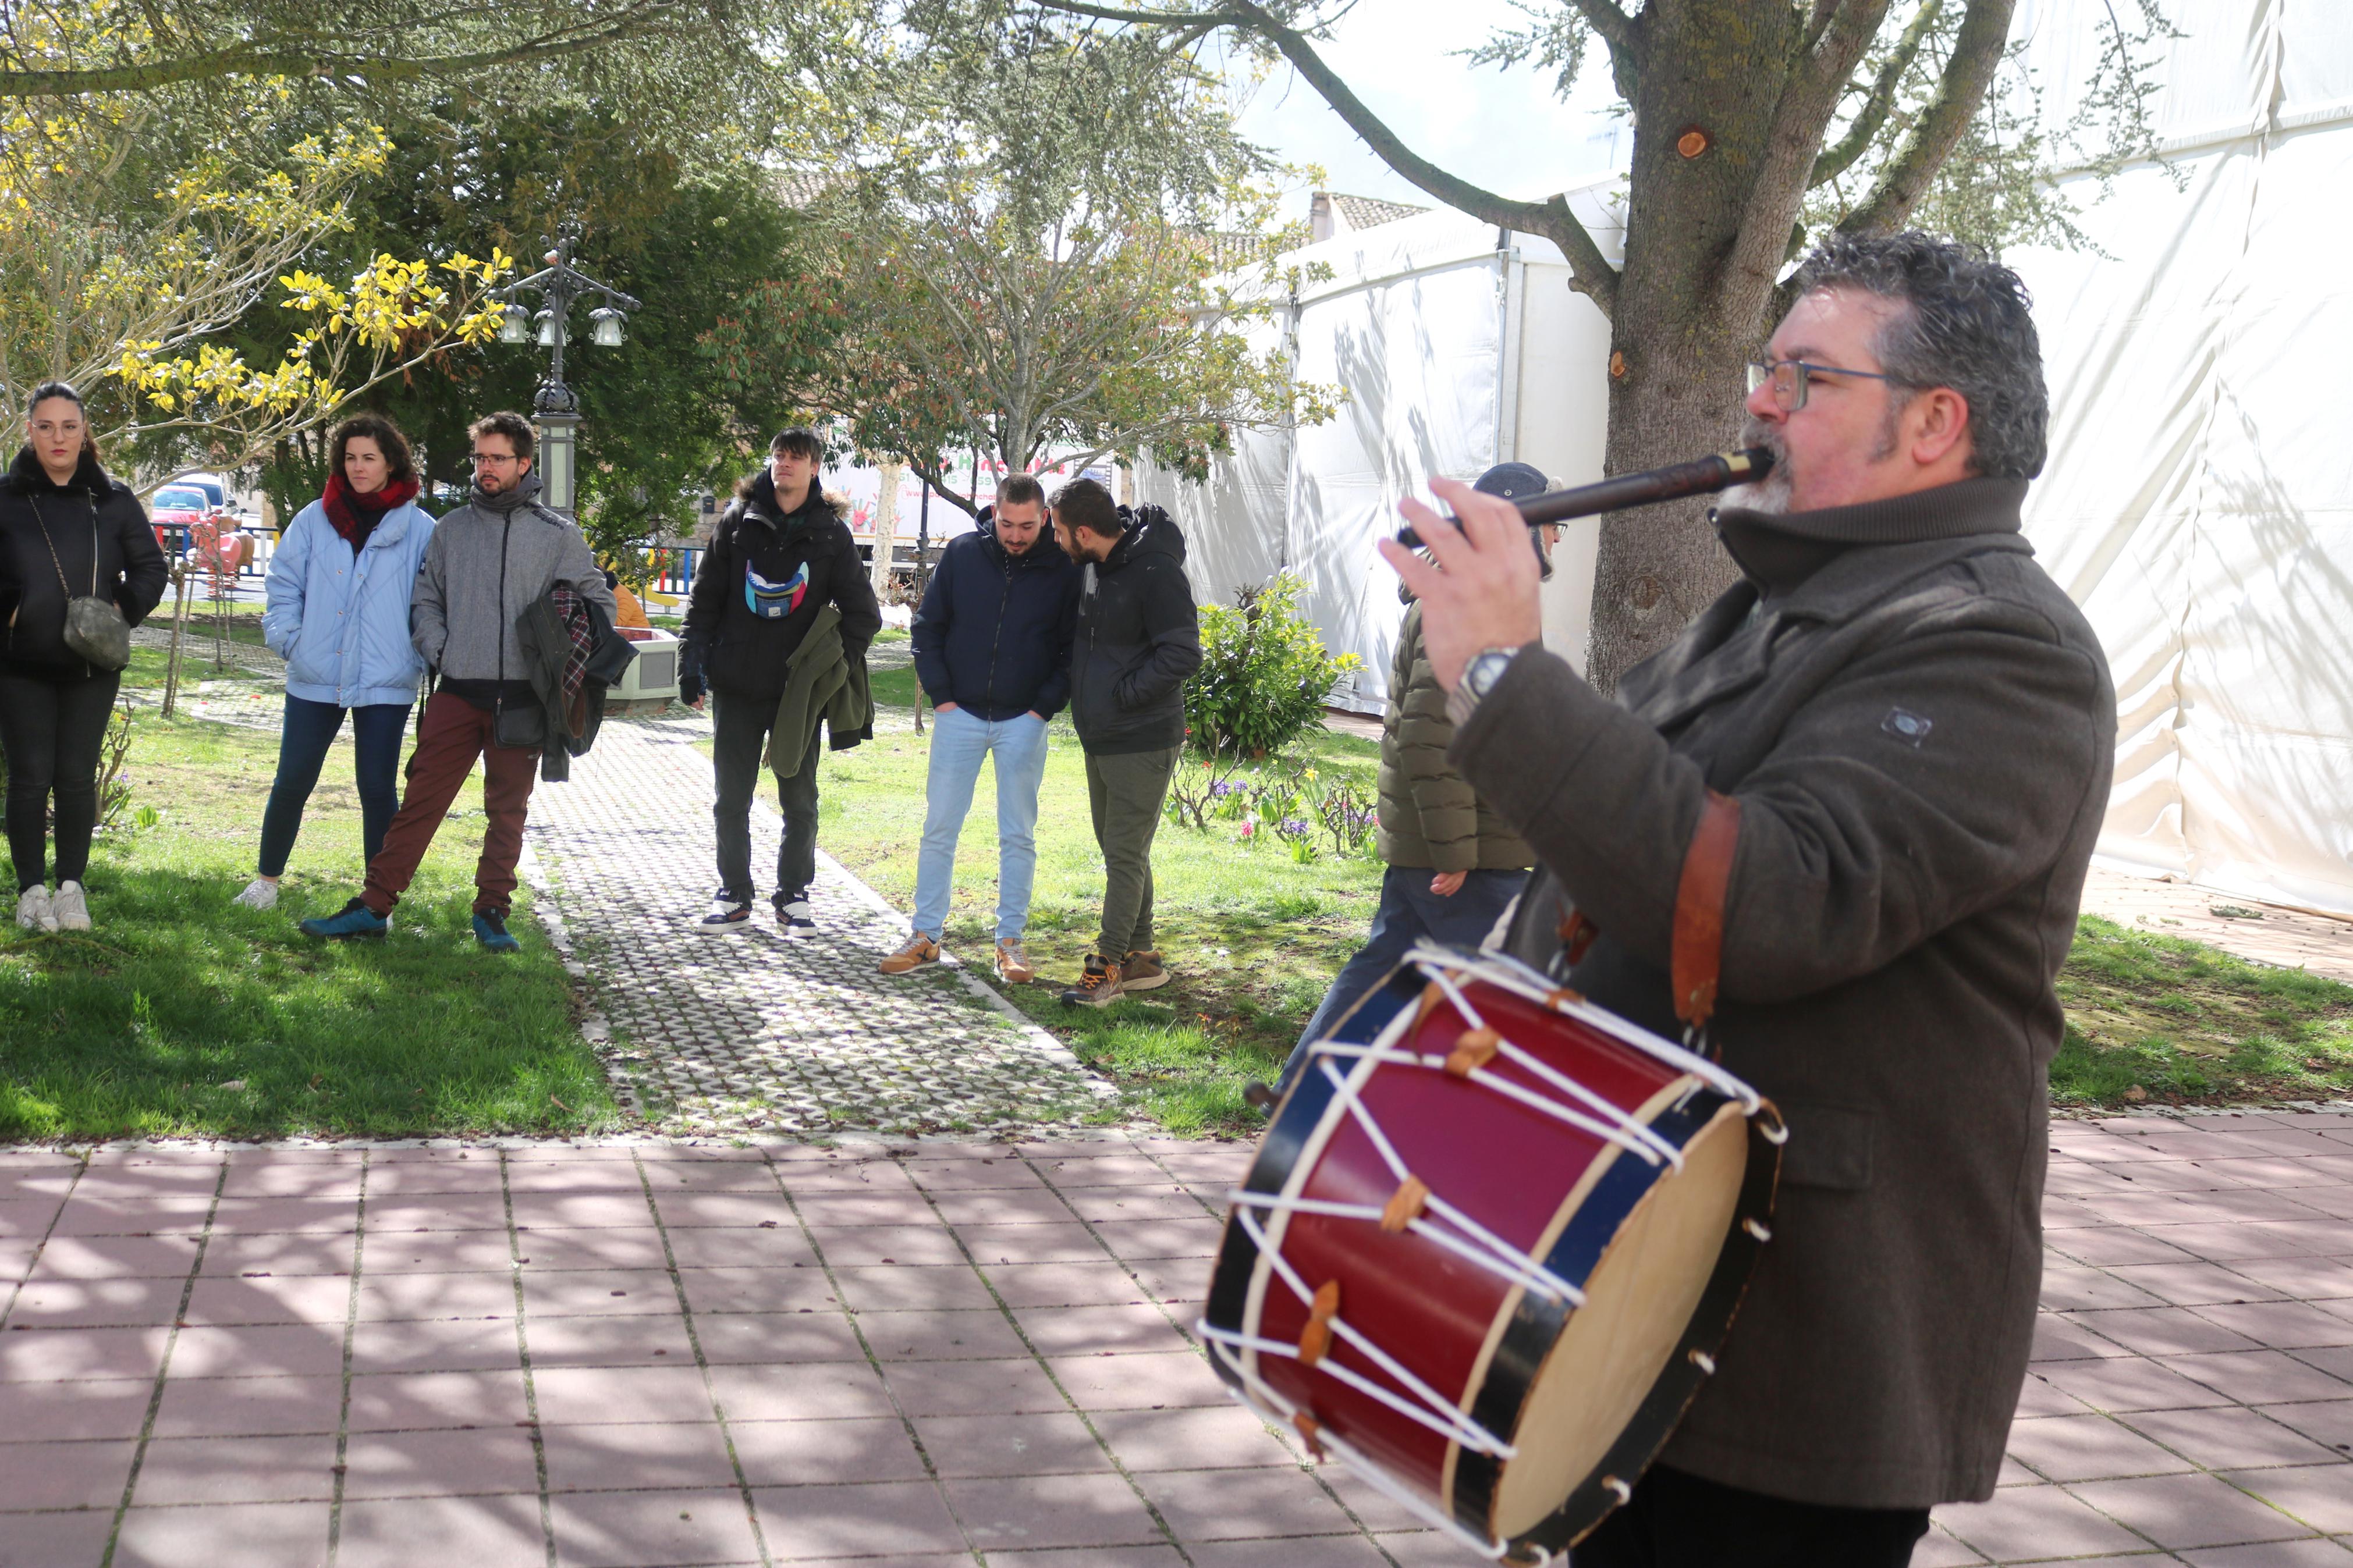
{"x":183,"y":1015}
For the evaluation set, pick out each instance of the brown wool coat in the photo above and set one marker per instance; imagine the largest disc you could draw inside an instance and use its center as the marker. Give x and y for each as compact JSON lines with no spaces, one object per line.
{"x":1429,"y":814}
{"x":1920,"y":734}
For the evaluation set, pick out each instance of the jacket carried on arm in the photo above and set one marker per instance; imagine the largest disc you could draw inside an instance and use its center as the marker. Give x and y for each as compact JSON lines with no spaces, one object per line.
{"x":760,"y":586}
{"x":340,"y":617}
{"x":1919,"y":731}
{"x":1429,"y":814}
{"x":103,"y":543}
{"x":1138,"y":637}
{"x":993,"y":634}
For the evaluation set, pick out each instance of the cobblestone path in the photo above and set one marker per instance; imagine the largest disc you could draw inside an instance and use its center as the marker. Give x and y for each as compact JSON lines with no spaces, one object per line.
{"x":756,"y":1032}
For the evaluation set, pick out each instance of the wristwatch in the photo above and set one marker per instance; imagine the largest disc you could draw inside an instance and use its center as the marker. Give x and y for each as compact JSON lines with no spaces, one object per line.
{"x":1479,"y":677}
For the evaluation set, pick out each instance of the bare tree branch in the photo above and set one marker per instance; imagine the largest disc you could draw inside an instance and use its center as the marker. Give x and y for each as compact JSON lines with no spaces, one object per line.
{"x":1837,"y":159}
{"x":1976,"y":52}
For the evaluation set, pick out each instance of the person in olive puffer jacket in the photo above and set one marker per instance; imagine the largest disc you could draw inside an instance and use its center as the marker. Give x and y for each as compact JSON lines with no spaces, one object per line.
{"x":1454,"y":866}
{"x":780,"y":555}
{"x":67,"y":531}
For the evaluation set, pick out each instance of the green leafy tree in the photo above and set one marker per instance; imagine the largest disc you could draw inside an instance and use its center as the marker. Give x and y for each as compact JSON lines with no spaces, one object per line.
{"x":1756,"y":122}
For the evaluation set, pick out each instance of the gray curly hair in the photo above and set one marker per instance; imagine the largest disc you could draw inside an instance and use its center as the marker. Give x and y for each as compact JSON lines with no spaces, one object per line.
{"x":1968,"y":326}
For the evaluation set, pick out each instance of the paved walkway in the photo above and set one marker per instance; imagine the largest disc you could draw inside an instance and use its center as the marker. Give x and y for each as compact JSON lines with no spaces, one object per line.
{"x":927,"y":1354}
{"x":756,"y":1032}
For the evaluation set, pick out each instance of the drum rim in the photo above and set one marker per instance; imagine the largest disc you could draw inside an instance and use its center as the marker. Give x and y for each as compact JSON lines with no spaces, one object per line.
{"x":1292,"y":1127}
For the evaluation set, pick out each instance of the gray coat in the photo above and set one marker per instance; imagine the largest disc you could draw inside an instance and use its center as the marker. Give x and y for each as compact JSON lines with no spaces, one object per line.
{"x":489,"y":563}
{"x":1920,"y":732}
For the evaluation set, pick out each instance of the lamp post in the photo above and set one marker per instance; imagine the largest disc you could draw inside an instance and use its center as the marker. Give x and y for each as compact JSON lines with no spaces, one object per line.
{"x":554,"y":405}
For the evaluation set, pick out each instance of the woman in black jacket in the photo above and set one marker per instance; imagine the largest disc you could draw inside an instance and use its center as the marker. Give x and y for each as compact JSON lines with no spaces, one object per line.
{"x":67,"y":531}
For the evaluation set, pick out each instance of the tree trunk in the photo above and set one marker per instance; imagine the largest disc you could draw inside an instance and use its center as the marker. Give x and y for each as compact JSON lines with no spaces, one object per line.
{"x":1680,"y":334}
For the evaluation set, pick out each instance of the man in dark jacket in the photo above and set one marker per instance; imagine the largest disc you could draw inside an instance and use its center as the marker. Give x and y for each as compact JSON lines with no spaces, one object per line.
{"x":488,"y":563}
{"x":780,"y":554}
{"x":1138,"y":637}
{"x":993,"y":650}
{"x":1453,"y":865}
{"x":1905,"y":730}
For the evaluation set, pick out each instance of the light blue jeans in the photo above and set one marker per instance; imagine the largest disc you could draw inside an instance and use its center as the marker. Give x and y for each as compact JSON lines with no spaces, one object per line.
{"x":959,"y":741}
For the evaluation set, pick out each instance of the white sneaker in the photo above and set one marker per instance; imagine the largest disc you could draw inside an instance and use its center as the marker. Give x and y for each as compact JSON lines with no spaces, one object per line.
{"x":69,"y":911}
{"x":33,"y":909}
{"x":262,"y":893}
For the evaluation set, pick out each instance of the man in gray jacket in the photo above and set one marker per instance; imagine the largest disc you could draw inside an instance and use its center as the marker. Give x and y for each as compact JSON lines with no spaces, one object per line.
{"x":490,"y":561}
{"x":1905,"y":730}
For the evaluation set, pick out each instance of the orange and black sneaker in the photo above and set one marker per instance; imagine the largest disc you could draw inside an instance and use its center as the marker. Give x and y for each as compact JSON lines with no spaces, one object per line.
{"x":1142,"y":971}
{"x":1098,"y":987}
{"x":1013,"y":965}
{"x":918,"y":952}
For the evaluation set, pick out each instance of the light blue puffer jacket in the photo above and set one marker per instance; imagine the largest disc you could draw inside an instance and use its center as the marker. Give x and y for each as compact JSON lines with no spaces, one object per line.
{"x":341,"y":623}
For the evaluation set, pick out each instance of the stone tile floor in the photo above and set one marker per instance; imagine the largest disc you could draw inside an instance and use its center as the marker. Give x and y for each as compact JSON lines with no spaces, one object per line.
{"x":925,"y":1353}
{"x":756,"y":1032}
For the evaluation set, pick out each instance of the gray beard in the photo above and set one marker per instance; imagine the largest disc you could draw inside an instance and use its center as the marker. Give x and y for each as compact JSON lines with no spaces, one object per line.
{"x":1770,"y":494}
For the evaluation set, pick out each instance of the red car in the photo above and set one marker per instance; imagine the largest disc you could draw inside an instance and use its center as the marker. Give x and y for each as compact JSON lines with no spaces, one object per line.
{"x":175,"y":509}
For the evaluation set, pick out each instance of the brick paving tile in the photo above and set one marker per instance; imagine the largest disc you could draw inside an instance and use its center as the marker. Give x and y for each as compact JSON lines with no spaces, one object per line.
{"x":2275,"y":1554}
{"x":1051,"y":1510}
{"x":454,"y":1345}
{"x":618,"y":1292}
{"x":245,"y":1299}
{"x":943,"y":1176}
{"x":2309,"y":1278}
{"x":972,"y":1387}
{"x":2022,"y":1523}
{"x":820,"y":1390}
{"x":432,"y":1252}
{"x":684,"y":1454}
{"x":589,"y":1395}
{"x":1222,"y":1505}
{"x":872,"y":1246}
{"x":1138,"y":1380}
{"x":913,"y":1288}
{"x":117,"y":1216}
{"x":483,"y":1530}
{"x":58,"y":1412}
{"x":64,"y":1475}
{"x":759,"y":1032}
{"x":711,"y":1247}
{"x":1089,"y":1284}
{"x":389,"y":1297}
{"x":75,"y":1539}
{"x":859,"y":1449}
{"x":2328,"y":1421}
{"x":2105,"y":1245}
{"x":776,"y":1288}
{"x":939,"y":1336}
{"x":2196,"y":1284}
{"x":414,"y":1400}
{"x":446,"y":1463}
{"x":2131,"y":1383}
{"x":573,"y":1176}
{"x":2190,"y":1511}
{"x":248,"y":1406}
{"x":2078,"y":1289}
{"x":2320,"y":1496}
{"x":550,"y":1250}
{"x":2165,"y":1330}
{"x":251,"y":1535}
{"x":1082,"y":1557}
{"x":774,"y":1338}
{"x":2231,"y":1438}
{"x":52,"y":1355}
{"x":2087,"y":1447}
{"x":2282,"y":1325}
{"x":117,"y":1258}
{"x":2069,"y":1336}
{"x":236,"y":1470}
{"x":269,"y":1255}
{"x":1317,"y":1551}
{"x":411,"y":1213}
{"x":1196,"y":1437}
{"x":651,"y":1529}
{"x":2261,"y":1377}
{"x":1035,"y":1444}
{"x":1077,"y":1331}
{"x":882,"y":1517}
{"x":1001,"y":1206}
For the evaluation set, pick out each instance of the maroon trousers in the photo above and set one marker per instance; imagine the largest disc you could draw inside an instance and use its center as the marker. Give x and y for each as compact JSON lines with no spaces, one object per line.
{"x":453,"y":733}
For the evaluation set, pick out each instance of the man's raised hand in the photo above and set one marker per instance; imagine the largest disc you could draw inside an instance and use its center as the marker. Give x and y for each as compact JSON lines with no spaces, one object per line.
{"x":1482,"y":589}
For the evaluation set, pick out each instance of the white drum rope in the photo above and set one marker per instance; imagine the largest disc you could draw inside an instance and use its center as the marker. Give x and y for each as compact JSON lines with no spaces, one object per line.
{"x":1532,"y":1276}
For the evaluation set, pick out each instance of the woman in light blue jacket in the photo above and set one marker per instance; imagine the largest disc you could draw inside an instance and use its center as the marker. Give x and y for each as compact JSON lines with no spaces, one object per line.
{"x":338,"y":614}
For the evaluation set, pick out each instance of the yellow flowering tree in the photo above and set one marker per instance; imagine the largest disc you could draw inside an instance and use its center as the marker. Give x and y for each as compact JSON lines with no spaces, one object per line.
{"x":129,"y":247}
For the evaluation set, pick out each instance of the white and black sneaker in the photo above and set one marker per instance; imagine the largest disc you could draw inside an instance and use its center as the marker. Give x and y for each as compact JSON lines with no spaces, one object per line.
{"x":726,"y":915}
{"x":794,"y":916}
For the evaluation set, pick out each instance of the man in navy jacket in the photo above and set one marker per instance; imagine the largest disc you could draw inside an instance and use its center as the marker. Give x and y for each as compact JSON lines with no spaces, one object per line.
{"x":993,"y":651}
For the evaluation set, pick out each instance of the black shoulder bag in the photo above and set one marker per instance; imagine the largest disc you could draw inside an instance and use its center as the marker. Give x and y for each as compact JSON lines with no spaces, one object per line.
{"x":95,"y":628}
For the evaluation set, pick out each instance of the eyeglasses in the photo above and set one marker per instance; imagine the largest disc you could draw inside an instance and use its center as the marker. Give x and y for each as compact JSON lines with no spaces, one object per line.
{"x":490,"y":459}
{"x":1788,"y":378}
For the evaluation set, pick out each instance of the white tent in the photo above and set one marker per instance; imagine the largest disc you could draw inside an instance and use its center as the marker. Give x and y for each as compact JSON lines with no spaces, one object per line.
{"x":2198,"y":497}
{"x":2195,"y":501}
{"x":1460,"y":347}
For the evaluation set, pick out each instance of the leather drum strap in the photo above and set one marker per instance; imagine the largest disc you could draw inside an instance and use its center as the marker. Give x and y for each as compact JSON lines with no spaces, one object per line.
{"x":1699,"y":909}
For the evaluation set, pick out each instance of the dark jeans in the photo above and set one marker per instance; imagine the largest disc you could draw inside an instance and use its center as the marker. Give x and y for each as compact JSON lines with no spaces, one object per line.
{"x":1408,"y":912}
{"x":310,"y":730}
{"x":53,"y":732}
{"x":740,"y":730}
{"x":1124,"y":795}
{"x":452,"y":735}
{"x":1678,"y":1520}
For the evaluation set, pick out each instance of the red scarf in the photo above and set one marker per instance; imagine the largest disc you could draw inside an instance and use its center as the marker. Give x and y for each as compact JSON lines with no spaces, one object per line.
{"x":353,"y":515}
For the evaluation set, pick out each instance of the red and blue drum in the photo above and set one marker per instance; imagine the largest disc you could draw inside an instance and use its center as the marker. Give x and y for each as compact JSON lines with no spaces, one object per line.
{"x":1489,"y":1246}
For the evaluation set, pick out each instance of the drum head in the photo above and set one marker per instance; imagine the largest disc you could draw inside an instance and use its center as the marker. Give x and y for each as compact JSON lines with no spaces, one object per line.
{"x":1641,"y":1299}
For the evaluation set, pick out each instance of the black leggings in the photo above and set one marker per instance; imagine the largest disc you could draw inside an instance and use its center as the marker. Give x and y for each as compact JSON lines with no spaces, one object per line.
{"x":53,"y":732}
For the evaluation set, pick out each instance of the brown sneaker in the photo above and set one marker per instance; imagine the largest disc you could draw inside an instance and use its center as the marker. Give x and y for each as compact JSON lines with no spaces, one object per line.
{"x":916,"y":951}
{"x":1142,"y":971}
{"x":1098,"y":987}
{"x":1013,"y":965}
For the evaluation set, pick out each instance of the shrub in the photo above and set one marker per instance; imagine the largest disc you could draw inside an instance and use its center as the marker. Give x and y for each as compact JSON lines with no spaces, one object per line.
{"x":1265,"y":674}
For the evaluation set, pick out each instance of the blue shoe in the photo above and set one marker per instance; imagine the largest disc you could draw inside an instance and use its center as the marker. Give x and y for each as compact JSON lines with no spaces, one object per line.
{"x":490,"y":931}
{"x":354,"y":919}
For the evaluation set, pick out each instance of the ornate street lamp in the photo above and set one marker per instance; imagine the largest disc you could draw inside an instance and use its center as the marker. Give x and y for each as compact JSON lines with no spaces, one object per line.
{"x":555,"y":406}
